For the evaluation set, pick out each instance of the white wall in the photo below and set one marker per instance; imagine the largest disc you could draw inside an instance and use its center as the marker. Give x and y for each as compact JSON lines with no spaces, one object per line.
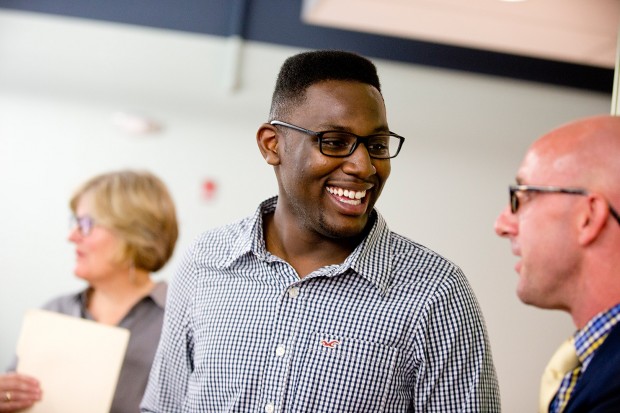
{"x":62,"y":79}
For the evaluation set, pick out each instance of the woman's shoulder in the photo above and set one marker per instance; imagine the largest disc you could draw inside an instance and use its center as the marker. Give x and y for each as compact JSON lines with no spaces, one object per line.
{"x":70,"y":304}
{"x":159,"y":292}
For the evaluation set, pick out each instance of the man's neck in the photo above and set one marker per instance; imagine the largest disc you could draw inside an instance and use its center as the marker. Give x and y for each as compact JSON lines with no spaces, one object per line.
{"x":305,"y":251}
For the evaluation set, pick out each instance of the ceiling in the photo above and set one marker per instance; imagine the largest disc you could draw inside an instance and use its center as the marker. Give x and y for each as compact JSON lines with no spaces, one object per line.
{"x":561,"y":42}
{"x":577,"y":31}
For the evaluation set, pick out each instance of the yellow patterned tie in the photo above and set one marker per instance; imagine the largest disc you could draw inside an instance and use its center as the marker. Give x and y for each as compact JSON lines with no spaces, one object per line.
{"x":563,"y":360}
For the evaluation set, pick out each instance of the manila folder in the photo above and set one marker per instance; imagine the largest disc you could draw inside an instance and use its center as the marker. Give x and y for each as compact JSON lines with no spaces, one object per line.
{"x":76,"y":361}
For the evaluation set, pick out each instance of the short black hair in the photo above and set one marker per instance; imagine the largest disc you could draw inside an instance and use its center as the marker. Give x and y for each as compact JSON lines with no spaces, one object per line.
{"x":302,"y":70}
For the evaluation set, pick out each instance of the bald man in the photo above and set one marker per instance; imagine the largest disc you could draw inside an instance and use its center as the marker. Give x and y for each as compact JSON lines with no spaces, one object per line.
{"x":563,"y":224}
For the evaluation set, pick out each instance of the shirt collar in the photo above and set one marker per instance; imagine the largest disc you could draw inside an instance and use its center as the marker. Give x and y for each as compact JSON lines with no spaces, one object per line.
{"x":590,"y":337}
{"x":250,"y":237}
{"x":371,"y":259}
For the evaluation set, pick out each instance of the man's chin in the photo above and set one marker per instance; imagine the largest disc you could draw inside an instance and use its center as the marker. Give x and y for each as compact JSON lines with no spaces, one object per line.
{"x":345,"y":226}
{"x":526,"y":296}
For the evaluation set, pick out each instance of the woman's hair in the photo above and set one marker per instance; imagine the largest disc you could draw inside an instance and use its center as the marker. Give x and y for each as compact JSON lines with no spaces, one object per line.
{"x":138,"y":208}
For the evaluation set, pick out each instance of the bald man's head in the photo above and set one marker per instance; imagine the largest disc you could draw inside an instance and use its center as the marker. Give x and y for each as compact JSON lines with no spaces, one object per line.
{"x":586,"y":153}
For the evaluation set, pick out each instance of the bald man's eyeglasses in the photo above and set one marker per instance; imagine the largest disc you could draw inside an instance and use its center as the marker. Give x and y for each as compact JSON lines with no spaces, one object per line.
{"x":515,"y":189}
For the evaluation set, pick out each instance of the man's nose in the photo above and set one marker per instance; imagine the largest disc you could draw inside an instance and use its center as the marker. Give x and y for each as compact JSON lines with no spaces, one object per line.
{"x":360,"y":163}
{"x":505,"y":224}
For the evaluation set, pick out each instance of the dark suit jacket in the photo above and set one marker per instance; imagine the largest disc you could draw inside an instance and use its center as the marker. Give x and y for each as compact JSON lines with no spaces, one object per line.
{"x":598,"y":390}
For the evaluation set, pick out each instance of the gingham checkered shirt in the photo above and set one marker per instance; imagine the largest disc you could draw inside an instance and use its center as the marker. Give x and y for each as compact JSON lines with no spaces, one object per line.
{"x":587,"y":341}
{"x":394,"y":328}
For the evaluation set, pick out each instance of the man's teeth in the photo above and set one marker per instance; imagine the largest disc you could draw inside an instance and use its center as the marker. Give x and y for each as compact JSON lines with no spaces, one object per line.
{"x":354,"y":195}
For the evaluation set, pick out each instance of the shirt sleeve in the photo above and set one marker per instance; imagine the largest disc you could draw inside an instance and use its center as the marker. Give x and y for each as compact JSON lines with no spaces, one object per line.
{"x":456,"y":371}
{"x":173,"y":363}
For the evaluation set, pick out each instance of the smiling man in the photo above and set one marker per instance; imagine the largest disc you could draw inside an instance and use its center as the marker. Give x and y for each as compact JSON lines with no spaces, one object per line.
{"x":313,"y":304}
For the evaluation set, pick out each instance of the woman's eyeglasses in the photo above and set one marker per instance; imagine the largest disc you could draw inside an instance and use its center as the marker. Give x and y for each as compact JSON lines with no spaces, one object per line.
{"x":85,"y":224}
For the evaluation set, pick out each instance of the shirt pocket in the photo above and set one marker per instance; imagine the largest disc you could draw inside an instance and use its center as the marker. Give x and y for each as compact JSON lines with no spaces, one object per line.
{"x":344,"y":374}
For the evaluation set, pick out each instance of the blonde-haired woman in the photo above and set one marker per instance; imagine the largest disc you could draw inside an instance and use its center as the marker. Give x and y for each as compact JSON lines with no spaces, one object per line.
{"x":124,"y":228}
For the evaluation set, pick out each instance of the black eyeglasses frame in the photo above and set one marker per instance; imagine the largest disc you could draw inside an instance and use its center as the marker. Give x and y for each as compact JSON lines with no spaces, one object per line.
{"x":359,"y":139}
{"x":514,"y":199}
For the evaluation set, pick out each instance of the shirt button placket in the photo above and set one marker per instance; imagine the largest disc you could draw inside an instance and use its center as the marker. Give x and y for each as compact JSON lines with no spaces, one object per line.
{"x":279,"y":368}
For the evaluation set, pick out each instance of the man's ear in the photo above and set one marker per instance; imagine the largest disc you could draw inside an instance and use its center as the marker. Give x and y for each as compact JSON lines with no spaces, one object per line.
{"x":593,"y":219}
{"x":267,"y":140}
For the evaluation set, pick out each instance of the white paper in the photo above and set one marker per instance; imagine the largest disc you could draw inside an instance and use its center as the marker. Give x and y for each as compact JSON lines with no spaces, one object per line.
{"x":77,"y":361}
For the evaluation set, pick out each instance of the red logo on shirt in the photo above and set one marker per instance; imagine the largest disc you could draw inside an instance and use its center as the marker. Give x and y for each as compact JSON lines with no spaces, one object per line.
{"x":330,"y":343}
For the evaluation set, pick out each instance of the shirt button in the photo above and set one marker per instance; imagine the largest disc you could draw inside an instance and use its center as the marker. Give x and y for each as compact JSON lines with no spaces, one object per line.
{"x":280,"y":350}
{"x":293,"y":292}
{"x":270,"y":408}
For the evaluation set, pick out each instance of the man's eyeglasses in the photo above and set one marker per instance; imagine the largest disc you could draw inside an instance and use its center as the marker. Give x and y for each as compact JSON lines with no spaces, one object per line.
{"x":340,"y":144}
{"x":85,"y":224}
{"x":514,"y":198}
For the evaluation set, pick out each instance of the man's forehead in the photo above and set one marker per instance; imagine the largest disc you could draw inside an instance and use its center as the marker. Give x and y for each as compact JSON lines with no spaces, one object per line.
{"x":545,"y":161}
{"x":345,"y":96}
